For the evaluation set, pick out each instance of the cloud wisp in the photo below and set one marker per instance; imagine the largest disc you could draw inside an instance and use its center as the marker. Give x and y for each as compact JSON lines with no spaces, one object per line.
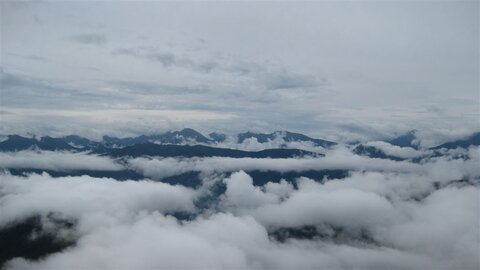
{"x":95,"y":39}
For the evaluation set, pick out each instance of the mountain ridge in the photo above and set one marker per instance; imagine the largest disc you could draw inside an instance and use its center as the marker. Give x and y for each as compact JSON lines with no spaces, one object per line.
{"x":190,"y":136}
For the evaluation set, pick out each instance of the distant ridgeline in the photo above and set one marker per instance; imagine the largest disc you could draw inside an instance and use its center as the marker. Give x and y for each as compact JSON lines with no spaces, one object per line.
{"x":186,"y":136}
{"x":190,"y":144}
{"x":191,"y":137}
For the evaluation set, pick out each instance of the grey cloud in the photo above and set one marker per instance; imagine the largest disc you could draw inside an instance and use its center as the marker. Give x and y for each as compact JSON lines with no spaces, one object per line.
{"x":119,"y":122}
{"x":157,"y":88}
{"x":122,"y":51}
{"x":8,"y":80}
{"x":272,"y":76}
{"x":92,"y":38}
{"x":358,"y":131}
{"x":320,"y":73}
{"x":207,"y":66}
{"x":286,"y":80}
{"x":24,"y":91}
{"x":30,"y":57}
{"x":169,"y":59}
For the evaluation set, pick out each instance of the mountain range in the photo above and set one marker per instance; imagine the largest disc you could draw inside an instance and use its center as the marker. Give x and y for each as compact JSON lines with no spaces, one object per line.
{"x":185,"y":136}
{"x":189,"y":142}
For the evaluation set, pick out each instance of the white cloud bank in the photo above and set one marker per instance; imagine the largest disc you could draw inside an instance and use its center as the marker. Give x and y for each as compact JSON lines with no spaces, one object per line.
{"x":444,"y":167}
{"x":396,"y":151}
{"x":58,"y":161}
{"x":84,"y":196}
{"x":339,"y":158}
{"x":404,"y":216}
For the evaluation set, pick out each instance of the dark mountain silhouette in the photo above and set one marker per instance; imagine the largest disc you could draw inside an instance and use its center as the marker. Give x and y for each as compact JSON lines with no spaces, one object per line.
{"x":474,"y":139}
{"x":171,"y":137}
{"x":49,"y":143}
{"x":285,"y":135}
{"x":18,"y":143}
{"x":16,"y":238}
{"x":168,"y":150}
{"x":121,"y":142}
{"x":261,"y":137}
{"x":78,"y":141}
{"x":118,"y":175}
{"x":182,"y":137}
{"x":217,"y":137}
{"x":191,"y":134}
{"x":405,"y":140}
{"x":297,"y":137}
{"x":373,"y":152}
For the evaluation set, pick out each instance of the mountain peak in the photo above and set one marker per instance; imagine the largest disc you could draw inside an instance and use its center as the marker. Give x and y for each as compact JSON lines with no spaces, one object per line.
{"x":406,"y":140}
{"x":217,"y":137}
{"x":473,"y":139}
{"x":189,"y":133}
{"x":287,"y":136}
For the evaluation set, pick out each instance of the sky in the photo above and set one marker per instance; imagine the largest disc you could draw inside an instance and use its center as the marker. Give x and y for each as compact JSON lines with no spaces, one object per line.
{"x":331,"y":69}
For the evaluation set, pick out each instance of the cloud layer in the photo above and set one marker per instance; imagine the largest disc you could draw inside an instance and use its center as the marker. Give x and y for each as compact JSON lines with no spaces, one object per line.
{"x":385,"y":214}
{"x":57,"y":161}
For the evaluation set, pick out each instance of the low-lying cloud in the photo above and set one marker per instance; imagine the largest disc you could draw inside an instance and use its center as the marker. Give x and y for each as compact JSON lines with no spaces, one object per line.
{"x":396,"y":151}
{"x":384,"y":215}
{"x":123,"y":224}
{"x":58,"y":161}
{"x":81,"y":196}
{"x":340,"y":158}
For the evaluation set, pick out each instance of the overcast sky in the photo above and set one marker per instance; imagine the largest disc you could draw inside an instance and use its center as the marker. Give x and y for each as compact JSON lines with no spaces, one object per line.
{"x":323,"y":68}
